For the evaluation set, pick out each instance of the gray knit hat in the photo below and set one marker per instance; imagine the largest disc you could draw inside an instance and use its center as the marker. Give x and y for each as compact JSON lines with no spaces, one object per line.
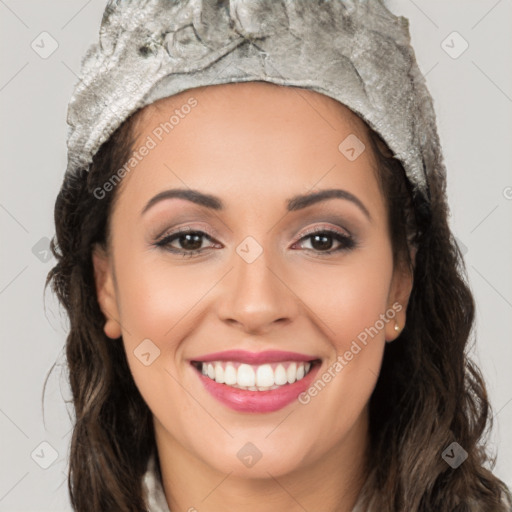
{"x":355,"y":51}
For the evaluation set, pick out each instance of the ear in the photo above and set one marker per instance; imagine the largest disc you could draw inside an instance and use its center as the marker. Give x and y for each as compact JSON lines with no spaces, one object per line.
{"x":106,"y":291}
{"x":400,"y":292}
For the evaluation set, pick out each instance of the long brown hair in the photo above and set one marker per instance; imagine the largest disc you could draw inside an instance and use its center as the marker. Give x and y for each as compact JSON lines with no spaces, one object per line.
{"x":428,"y":395}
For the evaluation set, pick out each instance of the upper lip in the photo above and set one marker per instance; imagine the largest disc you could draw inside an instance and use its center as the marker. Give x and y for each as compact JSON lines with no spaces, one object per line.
{"x":243,"y":356}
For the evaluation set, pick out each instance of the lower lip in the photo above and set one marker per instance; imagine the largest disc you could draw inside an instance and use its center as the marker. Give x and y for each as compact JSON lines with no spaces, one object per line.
{"x":257,"y":401}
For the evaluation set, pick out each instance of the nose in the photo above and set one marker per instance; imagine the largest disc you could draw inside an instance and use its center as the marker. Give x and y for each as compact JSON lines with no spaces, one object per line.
{"x":255,"y":297}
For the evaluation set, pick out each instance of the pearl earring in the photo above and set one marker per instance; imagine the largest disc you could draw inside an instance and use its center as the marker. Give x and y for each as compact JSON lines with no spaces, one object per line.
{"x":397,"y":327}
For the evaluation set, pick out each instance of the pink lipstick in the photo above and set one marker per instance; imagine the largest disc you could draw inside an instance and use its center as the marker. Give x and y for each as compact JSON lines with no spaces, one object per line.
{"x":256,"y":382}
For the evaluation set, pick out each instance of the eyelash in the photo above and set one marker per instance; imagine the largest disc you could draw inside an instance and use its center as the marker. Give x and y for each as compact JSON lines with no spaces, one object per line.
{"x":347,"y":242}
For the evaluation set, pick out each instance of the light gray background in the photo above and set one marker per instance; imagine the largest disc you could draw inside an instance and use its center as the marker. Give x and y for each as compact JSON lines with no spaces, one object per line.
{"x":473,"y":100}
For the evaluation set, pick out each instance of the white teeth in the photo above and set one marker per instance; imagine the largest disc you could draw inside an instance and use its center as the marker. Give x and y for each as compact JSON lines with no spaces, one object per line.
{"x":291,"y":373}
{"x":219,"y":373}
{"x":229,"y":375}
{"x":280,"y":375}
{"x":265,"y":376}
{"x":245,"y":376}
{"x":255,"y":377}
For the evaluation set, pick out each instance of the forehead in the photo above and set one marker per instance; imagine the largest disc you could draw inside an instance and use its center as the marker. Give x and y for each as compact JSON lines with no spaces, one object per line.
{"x":252,"y":137}
{"x":257,"y":96}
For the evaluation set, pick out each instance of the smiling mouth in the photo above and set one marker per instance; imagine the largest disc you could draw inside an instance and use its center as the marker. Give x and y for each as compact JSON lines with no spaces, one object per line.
{"x":250,"y":377}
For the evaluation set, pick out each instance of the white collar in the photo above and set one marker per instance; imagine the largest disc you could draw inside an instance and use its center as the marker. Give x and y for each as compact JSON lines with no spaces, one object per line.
{"x":155,"y":496}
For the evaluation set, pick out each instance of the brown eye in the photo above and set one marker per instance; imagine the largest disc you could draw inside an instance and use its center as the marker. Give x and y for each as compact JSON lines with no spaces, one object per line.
{"x":322,"y":241}
{"x":189,"y":242}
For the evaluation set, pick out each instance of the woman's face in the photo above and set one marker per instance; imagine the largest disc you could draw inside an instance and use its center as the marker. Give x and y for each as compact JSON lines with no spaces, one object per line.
{"x":260,"y":281}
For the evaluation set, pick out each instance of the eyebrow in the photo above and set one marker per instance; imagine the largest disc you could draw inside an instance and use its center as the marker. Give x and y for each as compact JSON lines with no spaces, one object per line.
{"x":294,"y":203}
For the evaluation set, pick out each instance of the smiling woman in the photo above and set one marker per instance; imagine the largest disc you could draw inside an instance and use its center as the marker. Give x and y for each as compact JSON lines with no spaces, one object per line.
{"x":270,"y":301}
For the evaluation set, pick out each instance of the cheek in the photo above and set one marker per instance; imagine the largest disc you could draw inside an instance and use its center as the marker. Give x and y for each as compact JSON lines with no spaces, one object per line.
{"x":159,"y":300}
{"x":350,"y":298}
{"x":156,"y":301}
{"x":352,"y":304}
{"x":157,"y":297}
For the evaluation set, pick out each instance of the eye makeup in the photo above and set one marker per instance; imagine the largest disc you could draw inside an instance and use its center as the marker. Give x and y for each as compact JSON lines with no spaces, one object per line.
{"x":187,"y":235}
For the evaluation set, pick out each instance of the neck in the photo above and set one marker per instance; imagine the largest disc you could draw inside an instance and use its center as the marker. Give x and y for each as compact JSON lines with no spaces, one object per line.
{"x":331,"y":483}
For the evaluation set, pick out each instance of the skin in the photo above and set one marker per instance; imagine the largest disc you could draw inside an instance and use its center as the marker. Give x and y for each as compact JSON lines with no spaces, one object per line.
{"x":254,"y":145}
